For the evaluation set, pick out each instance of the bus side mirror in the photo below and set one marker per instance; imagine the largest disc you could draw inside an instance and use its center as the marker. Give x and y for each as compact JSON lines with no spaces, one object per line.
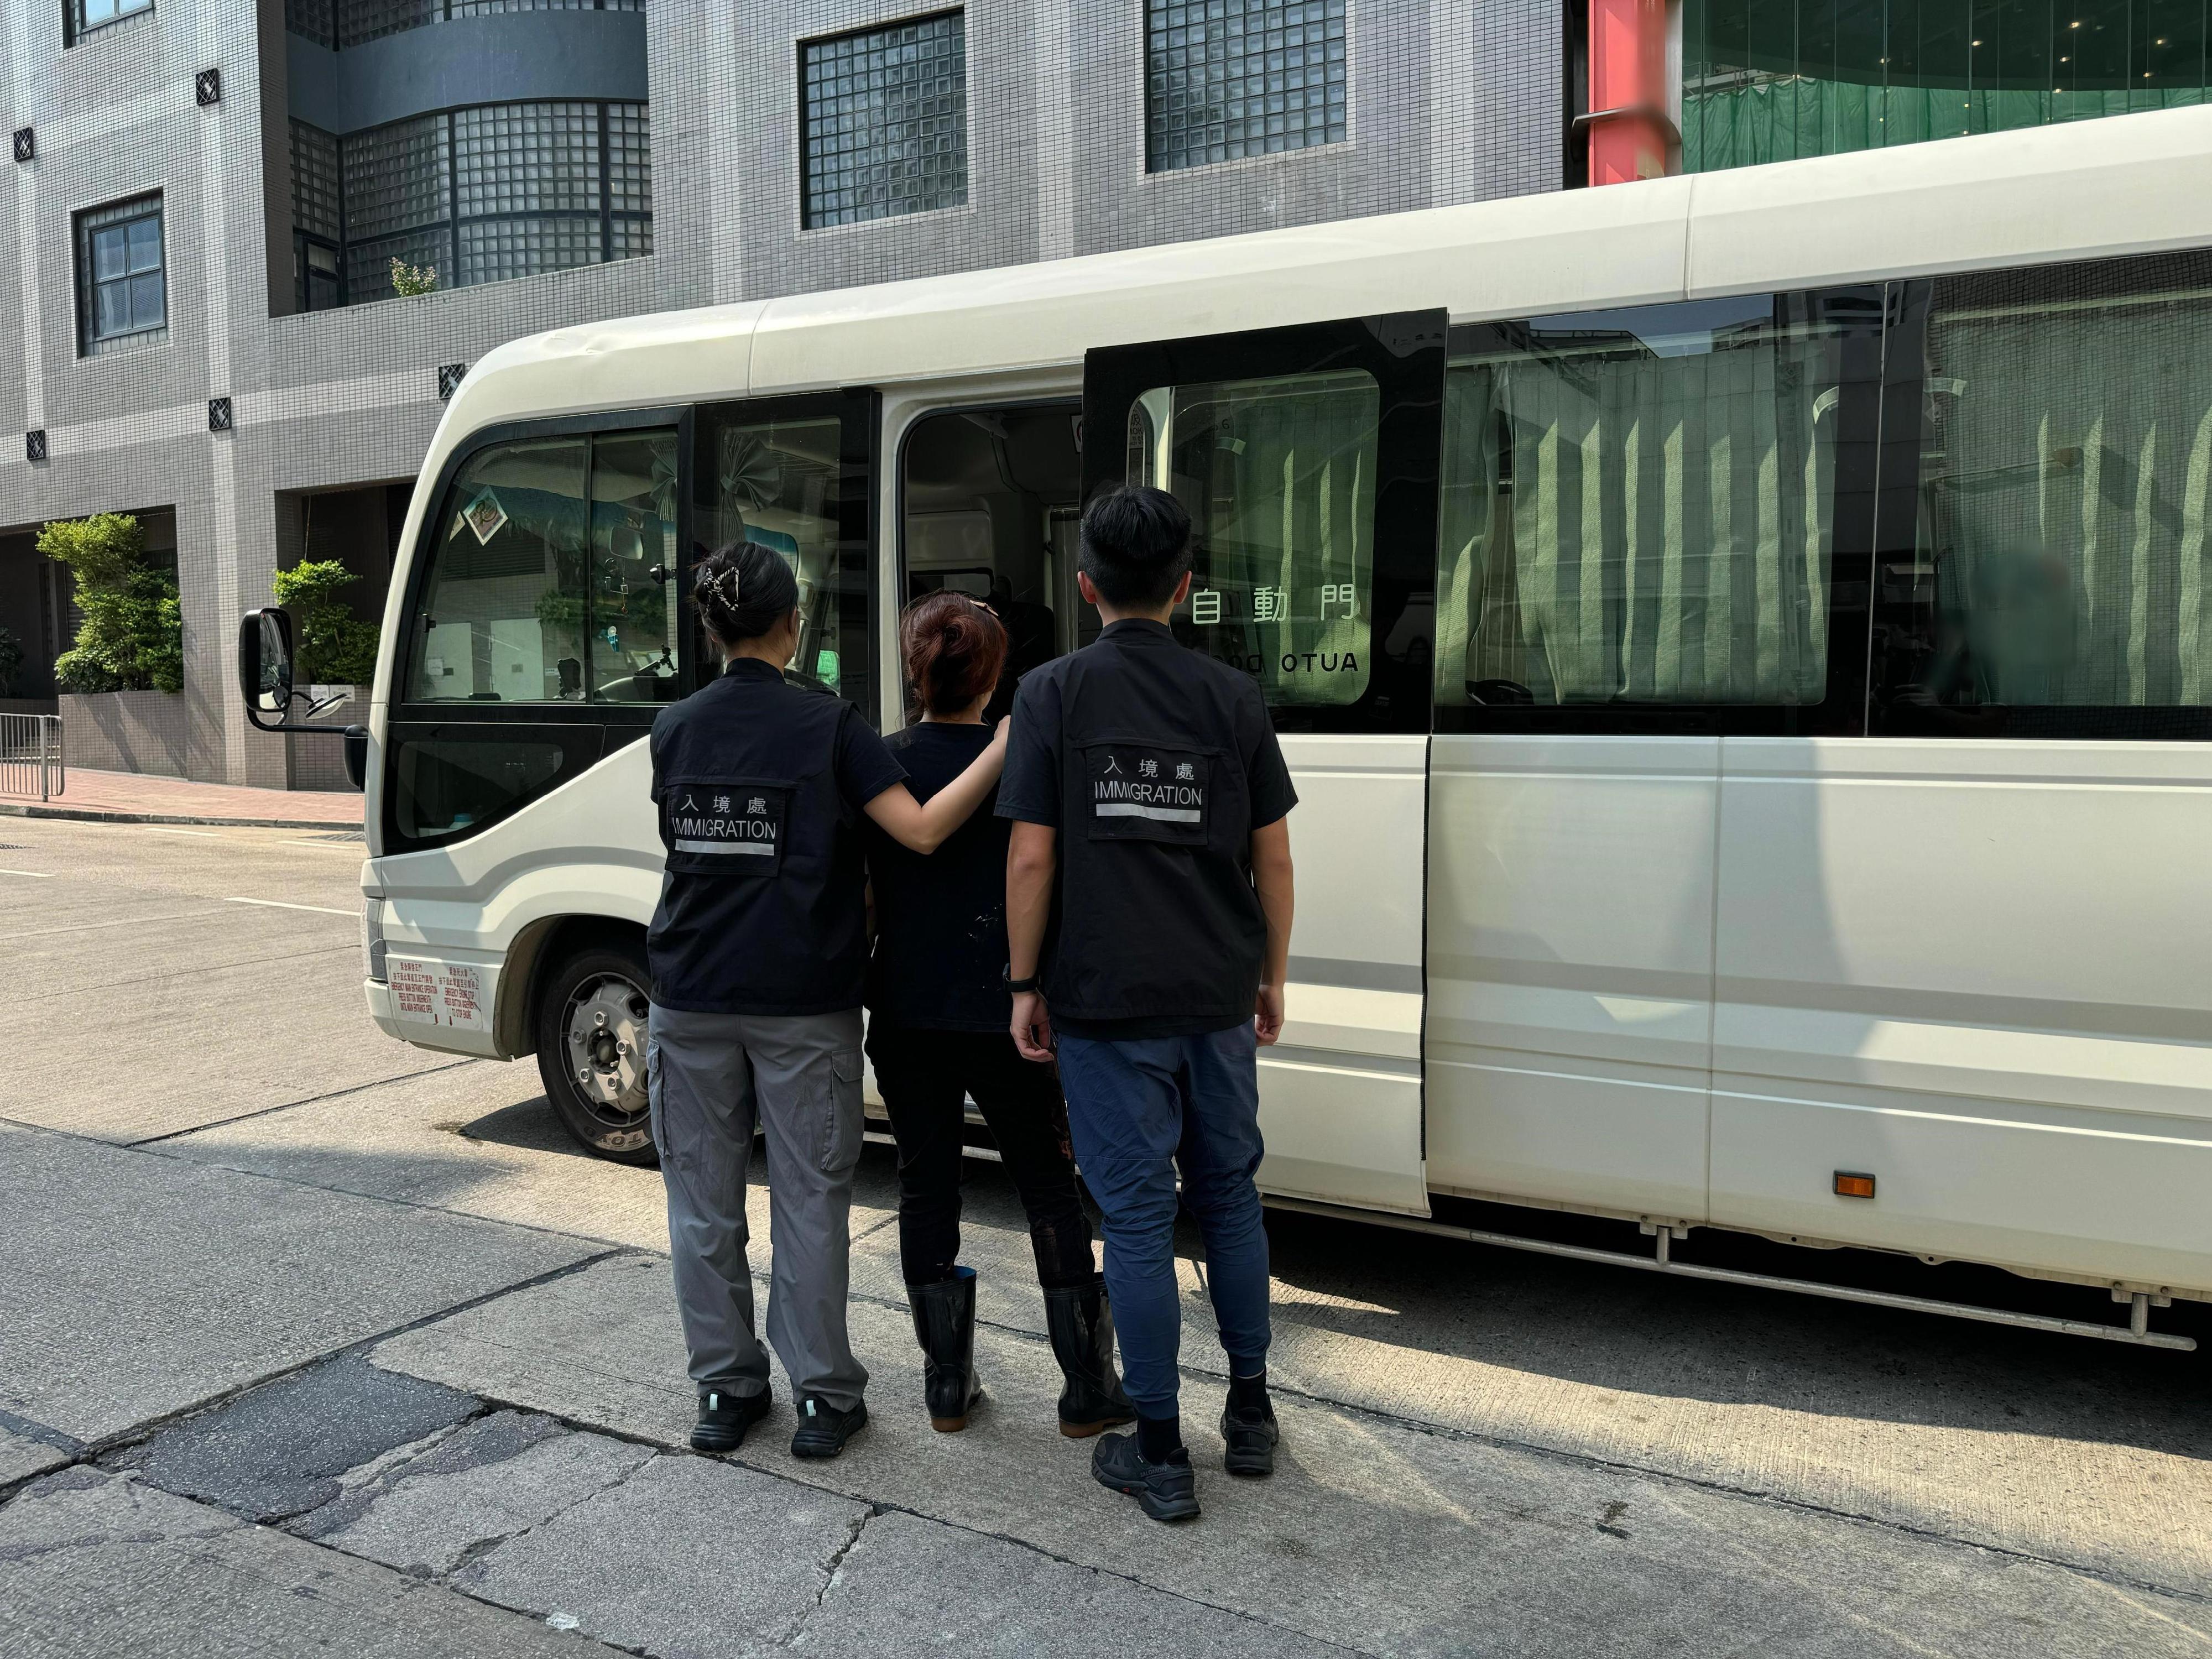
{"x":357,"y":755}
{"x":264,"y":661}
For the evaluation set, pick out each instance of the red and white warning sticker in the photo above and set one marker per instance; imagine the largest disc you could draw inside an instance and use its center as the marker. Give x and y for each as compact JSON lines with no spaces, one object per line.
{"x":438,"y":993}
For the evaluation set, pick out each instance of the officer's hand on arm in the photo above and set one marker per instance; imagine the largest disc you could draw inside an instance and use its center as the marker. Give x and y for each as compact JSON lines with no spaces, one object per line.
{"x":1271,"y":878}
{"x":1032,"y":857}
{"x":923,"y":827}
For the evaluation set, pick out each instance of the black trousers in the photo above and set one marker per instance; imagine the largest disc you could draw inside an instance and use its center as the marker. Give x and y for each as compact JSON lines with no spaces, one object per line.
{"x":925,"y":1077}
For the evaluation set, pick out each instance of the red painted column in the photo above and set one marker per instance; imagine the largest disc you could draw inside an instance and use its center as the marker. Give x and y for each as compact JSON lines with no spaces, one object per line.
{"x":1627,"y":72}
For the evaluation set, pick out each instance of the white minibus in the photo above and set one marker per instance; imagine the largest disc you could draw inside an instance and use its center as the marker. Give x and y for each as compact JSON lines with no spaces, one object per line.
{"x":1741,"y":641}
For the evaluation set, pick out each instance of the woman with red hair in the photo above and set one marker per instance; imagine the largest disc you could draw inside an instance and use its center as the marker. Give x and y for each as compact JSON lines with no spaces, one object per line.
{"x":937,"y":1033}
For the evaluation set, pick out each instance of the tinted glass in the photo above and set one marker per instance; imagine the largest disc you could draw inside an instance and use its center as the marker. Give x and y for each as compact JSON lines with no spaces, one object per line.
{"x":634,"y":643}
{"x":2058,"y":576}
{"x":789,"y":486}
{"x":443,"y":786}
{"x":1638,"y":507}
{"x":502,"y":615}
{"x":1768,"y":79}
{"x":1279,"y":477}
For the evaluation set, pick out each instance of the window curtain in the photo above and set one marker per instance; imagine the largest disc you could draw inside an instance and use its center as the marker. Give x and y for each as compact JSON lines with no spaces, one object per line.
{"x":2064,"y":504}
{"x":1639,"y":528}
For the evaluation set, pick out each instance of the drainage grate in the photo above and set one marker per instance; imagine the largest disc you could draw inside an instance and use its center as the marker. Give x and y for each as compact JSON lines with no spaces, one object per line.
{"x":340,"y":835}
{"x":13,"y":847}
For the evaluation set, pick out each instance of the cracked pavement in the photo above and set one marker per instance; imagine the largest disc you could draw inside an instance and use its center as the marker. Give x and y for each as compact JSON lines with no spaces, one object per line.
{"x":312,"y":1342}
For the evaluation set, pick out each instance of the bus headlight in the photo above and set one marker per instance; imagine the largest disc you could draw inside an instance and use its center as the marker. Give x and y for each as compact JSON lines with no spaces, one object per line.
{"x":372,"y":936}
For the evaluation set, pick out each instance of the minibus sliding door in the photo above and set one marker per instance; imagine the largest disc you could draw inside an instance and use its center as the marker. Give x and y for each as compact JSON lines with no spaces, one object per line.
{"x":1307,"y":459}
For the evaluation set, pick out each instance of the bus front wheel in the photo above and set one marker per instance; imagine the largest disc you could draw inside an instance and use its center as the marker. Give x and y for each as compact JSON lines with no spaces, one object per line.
{"x":591,"y":1033}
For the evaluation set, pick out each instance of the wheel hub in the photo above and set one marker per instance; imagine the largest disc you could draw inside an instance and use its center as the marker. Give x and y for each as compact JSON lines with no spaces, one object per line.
{"x":606,"y":1029}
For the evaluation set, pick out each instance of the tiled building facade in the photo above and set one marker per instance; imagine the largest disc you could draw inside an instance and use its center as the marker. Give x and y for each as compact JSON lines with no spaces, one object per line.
{"x":488,"y":137}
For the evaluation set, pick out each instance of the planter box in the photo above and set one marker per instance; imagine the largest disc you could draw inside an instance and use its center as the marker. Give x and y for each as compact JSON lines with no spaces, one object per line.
{"x":124,"y":731}
{"x":318,"y":762}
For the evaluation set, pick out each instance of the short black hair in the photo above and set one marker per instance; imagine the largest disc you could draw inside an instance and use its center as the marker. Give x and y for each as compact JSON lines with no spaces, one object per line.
{"x":1135,"y":544}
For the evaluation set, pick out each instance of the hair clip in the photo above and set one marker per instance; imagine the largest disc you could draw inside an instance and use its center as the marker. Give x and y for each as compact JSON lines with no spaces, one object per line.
{"x":727,"y":586}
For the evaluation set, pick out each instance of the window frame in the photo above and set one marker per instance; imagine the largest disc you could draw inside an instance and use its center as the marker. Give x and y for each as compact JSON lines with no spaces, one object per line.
{"x":1404,"y":353}
{"x":807,"y":225}
{"x":1842,"y":711}
{"x":77,"y":29}
{"x":85,"y":225}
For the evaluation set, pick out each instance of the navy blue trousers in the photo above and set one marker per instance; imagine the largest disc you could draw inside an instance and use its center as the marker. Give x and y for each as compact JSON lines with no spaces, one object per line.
{"x":1136,"y":1110}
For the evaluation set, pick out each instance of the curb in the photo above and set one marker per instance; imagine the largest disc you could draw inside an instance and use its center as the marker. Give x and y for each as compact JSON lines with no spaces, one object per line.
{"x":102,"y":815}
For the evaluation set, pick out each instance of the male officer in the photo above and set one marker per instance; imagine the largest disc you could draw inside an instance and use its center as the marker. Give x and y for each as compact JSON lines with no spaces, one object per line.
{"x":1148,"y":908}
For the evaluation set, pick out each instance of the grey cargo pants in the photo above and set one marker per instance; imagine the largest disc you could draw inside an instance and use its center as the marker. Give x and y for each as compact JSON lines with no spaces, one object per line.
{"x":710,"y":1078}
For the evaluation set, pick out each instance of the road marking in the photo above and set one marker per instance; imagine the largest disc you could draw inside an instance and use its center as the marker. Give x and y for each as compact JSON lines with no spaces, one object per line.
{"x":44,"y":875}
{"x":279,"y":904}
{"x":164,"y":830}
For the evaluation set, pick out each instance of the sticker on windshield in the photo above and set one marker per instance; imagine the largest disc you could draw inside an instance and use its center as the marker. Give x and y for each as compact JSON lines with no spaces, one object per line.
{"x":485,"y":515}
{"x":726,"y":828}
{"x":1141,"y":793}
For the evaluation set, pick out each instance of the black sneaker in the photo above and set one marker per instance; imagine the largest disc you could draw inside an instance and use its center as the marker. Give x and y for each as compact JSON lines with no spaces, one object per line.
{"x":723,"y":1418}
{"x":824,"y":1430}
{"x":1249,"y":1437}
{"x":1168,"y":1492}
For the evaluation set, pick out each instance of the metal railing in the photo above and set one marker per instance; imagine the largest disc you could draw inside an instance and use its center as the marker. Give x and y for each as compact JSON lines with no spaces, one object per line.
{"x":31,"y":755}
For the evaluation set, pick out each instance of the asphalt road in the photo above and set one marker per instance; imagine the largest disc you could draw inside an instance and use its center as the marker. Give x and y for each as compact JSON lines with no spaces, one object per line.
{"x":309,"y":1340}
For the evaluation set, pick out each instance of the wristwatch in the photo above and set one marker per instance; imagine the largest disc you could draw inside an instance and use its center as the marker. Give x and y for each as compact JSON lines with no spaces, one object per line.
{"x":1018,"y":986}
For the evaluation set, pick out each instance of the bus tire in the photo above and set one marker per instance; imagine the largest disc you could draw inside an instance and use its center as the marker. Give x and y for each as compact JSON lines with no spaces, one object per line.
{"x":591,"y":1033}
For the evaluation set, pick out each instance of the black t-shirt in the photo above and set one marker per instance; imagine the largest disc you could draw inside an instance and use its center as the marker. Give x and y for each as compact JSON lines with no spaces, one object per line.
{"x":760,"y":787}
{"x":1154,"y":763}
{"x":941,"y":920}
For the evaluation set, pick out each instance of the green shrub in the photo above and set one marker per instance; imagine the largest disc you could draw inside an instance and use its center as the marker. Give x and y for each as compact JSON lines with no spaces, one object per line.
{"x":11,"y":660}
{"x":133,"y":636}
{"x":335,"y":646}
{"x":408,"y":280}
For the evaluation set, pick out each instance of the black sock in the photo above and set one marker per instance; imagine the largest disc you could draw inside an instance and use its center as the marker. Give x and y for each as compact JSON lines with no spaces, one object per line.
{"x":1247,"y":1393}
{"x":1159,"y":1439}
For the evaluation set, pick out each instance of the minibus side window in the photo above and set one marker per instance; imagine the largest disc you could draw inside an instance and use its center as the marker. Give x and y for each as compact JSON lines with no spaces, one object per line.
{"x":1639,"y":508}
{"x":1280,"y":478}
{"x":2050,"y":574}
{"x":547,"y":583}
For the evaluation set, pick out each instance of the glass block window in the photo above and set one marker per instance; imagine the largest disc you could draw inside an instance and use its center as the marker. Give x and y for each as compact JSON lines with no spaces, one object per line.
{"x":350,"y":22}
{"x":1225,"y":79}
{"x":498,"y":191}
{"x":122,"y":288}
{"x":360,"y":20}
{"x":884,"y":121}
{"x":86,"y":15}
{"x":312,"y":20}
{"x":315,"y":207}
{"x":318,"y":220}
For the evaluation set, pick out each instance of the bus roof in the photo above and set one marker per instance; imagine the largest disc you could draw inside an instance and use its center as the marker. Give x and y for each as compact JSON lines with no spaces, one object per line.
{"x":2117,"y":185}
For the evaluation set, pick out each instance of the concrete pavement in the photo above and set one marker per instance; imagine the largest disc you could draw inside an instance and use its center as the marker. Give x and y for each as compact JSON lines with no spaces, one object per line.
{"x":309,"y":1340}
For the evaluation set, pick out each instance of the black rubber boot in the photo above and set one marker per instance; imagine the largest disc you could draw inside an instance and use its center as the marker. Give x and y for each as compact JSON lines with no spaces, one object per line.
{"x":1081,"y":1322}
{"x":944,"y":1325}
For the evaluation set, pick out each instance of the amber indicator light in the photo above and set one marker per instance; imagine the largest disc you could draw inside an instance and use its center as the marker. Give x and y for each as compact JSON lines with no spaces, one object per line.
{"x":1849,"y":1185}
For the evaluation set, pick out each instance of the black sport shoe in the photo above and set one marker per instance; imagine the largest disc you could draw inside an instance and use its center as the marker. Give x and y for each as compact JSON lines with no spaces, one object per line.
{"x":1249,"y":1437}
{"x":723,"y":1418}
{"x":1168,"y":1492}
{"x":824,"y":1430}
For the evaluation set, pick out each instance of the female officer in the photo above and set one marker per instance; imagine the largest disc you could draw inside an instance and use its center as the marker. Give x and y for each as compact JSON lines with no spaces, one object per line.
{"x":757,"y":952}
{"x":937,"y":1033}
